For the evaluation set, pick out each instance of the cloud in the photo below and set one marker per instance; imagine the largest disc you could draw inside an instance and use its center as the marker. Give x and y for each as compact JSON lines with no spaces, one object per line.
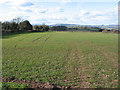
{"x":26,"y":4}
{"x":61,"y":10}
{"x":38,"y":14}
{"x":4,"y":1}
{"x":38,"y":11}
{"x":28,"y":10}
{"x":55,"y":10}
{"x":83,"y":17}
{"x":13,"y":2}
{"x":43,"y":12}
{"x":66,"y":1}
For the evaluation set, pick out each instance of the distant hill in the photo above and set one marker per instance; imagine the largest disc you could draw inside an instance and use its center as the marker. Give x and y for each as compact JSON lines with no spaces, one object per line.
{"x":75,"y":25}
{"x":67,"y":25}
{"x":110,"y":26}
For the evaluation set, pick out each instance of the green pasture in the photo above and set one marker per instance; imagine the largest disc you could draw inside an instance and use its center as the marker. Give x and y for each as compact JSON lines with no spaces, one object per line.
{"x":77,"y":59}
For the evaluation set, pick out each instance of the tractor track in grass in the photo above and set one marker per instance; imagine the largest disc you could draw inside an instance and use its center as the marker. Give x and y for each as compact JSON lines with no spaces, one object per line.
{"x":27,"y":37}
{"x":24,"y":38}
{"x":42,"y":37}
{"x":82,"y":83}
{"x":39,"y":38}
{"x":81,"y":69}
{"x":35,"y":39}
{"x":45,"y":41}
{"x":76,"y":71}
{"x":48,"y":38}
{"x":21,"y":40}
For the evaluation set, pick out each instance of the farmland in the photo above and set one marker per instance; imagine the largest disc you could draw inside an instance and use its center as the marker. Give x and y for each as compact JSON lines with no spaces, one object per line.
{"x":75,"y":59}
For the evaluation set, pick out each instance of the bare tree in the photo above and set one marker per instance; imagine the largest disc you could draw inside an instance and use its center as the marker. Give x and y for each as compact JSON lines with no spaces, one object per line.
{"x":18,"y":20}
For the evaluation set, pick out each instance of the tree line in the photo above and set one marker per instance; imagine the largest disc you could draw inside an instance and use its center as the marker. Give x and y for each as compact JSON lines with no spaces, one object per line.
{"x":19,"y":25}
{"x":59,"y":28}
{"x":40,"y":28}
{"x":22,"y":26}
{"x":16,"y":27}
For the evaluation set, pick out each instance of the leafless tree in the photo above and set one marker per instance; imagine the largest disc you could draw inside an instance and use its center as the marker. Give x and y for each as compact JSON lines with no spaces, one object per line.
{"x":18,"y":20}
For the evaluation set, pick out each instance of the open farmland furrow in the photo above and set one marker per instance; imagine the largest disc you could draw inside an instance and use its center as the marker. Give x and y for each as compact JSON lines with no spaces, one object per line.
{"x":80,"y":77}
{"x":76,"y":77}
{"x":81,"y":69}
{"x":15,"y":43}
{"x":48,"y":37}
{"x":25,"y":37}
{"x":20,"y":41}
{"x":39,"y":38}
{"x":44,"y":42}
{"x":68,"y":72}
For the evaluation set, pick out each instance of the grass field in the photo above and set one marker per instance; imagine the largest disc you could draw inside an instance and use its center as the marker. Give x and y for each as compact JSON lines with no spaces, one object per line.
{"x":76,"y":59}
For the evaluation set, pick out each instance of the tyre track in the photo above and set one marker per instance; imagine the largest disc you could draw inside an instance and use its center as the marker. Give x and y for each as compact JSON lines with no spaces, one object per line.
{"x":74,"y":58}
{"x":25,"y":37}
{"x":39,"y":38}
{"x":81,"y":70}
{"x":47,"y":38}
{"x":15,"y":45}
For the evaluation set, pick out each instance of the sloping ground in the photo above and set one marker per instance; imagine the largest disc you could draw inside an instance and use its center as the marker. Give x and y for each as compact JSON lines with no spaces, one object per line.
{"x":61,"y":60}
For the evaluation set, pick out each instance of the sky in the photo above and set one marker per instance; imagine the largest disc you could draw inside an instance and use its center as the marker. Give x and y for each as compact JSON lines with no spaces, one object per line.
{"x":82,"y":12}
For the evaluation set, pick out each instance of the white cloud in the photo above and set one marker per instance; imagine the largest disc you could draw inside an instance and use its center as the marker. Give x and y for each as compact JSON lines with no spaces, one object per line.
{"x":25,"y":4}
{"x":66,"y":1}
{"x":38,"y":14}
{"x":3,"y":1}
{"x":15,"y":2}
{"x":55,"y":10}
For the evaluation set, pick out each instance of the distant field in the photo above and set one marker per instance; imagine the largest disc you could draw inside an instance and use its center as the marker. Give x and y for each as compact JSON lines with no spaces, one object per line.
{"x":76,"y":59}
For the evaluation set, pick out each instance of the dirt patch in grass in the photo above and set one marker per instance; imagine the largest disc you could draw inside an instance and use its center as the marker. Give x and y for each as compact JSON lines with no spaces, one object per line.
{"x":33,"y":83}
